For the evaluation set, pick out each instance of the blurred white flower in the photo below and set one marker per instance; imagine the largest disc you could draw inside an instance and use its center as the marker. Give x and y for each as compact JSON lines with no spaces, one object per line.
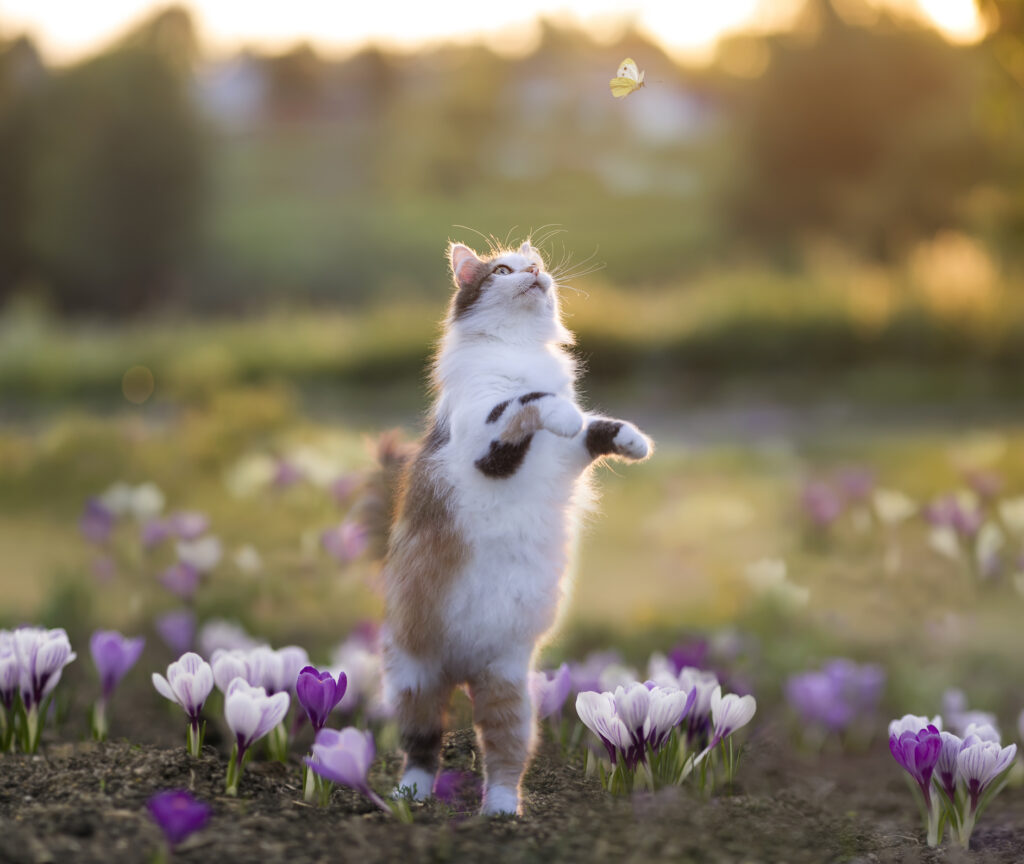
{"x":224,"y":635}
{"x":892,"y":506}
{"x":204,"y":554}
{"x":250,"y":474}
{"x":768,"y":579}
{"x":248,"y":559}
{"x":1011,"y":511}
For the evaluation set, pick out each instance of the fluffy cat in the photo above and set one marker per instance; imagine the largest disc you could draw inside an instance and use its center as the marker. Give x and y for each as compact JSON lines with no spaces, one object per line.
{"x":486,"y":517}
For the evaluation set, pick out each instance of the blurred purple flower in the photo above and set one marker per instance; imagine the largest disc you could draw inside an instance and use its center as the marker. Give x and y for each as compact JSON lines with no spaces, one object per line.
{"x":949,"y":512}
{"x":343,"y":486}
{"x":177,"y":629}
{"x":346,"y":542}
{"x":985,"y":484}
{"x":550,"y":690}
{"x":113,"y":655}
{"x":813,"y":696}
{"x":345,"y":757}
{"x":586,"y":675}
{"x":182,"y":580}
{"x":458,"y":790}
{"x":318,"y":694}
{"x":821,"y":504}
{"x":154,"y":532}
{"x":96,"y":522}
{"x":286,"y":474}
{"x":856,"y":483}
{"x":188,"y":524}
{"x":178,"y":814}
{"x":690,"y":653}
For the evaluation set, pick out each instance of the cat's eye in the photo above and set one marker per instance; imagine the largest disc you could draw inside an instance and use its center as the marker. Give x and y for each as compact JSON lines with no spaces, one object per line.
{"x":501,"y":270}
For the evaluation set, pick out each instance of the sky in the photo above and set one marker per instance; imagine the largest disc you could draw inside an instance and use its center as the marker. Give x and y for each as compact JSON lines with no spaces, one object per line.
{"x":67,"y":29}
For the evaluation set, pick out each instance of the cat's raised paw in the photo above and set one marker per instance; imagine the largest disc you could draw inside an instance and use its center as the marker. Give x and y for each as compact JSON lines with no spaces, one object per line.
{"x":560,"y":417}
{"x":631,"y":443}
{"x":500,"y":801}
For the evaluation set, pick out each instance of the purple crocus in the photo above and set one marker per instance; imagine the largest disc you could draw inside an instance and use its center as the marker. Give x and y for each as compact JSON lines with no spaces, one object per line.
{"x":347,"y":541}
{"x":856,"y":483}
{"x":458,"y":790}
{"x":96,"y":522}
{"x":154,"y":532}
{"x":181,"y":579}
{"x":178,"y":814}
{"x":318,"y":694}
{"x":945,"y":765}
{"x":821,"y":504}
{"x":550,"y":690}
{"x":917,"y":752}
{"x":113,"y":655}
{"x":177,"y":629}
{"x":345,"y":757}
{"x":188,"y":524}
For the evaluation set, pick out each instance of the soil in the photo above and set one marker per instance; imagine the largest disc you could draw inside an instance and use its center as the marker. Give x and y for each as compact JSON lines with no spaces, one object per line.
{"x":85,"y":802}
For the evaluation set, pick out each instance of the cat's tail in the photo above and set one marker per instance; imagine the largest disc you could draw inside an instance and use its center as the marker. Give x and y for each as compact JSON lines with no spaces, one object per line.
{"x":394,"y":454}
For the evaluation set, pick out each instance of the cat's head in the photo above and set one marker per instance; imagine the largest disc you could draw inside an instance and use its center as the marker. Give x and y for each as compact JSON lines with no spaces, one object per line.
{"x":508,"y":294}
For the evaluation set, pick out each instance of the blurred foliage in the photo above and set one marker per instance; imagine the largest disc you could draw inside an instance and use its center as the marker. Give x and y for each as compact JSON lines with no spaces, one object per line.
{"x":149,"y":177}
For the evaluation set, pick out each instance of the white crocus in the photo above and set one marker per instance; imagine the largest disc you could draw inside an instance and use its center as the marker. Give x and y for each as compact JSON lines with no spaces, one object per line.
{"x":229,"y":665}
{"x":597,"y":713}
{"x":1011,"y":511}
{"x":982,"y":726}
{"x":692,"y":678}
{"x":203,"y":554}
{"x":666,"y":709}
{"x":631,"y":705}
{"x":892,"y":507}
{"x":189,"y":682}
{"x":729,"y":713}
{"x":42,"y":655}
{"x":250,"y":714}
{"x":147,"y":502}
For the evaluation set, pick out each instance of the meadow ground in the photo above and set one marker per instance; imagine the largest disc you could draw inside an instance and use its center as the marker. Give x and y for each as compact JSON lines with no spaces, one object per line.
{"x":665,"y":560}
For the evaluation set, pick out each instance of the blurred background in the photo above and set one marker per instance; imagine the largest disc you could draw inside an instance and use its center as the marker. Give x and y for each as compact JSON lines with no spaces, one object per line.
{"x":222,"y":237}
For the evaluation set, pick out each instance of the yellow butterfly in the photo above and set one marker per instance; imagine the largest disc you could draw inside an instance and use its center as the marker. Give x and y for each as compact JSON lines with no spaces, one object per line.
{"x":627,"y":79}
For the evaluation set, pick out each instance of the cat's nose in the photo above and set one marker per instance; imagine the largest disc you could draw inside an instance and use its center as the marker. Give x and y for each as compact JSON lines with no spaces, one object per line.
{"x":532,"y":269}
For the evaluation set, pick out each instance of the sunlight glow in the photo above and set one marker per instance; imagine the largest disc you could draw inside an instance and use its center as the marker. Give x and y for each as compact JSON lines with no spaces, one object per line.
{"x":689,"y":29}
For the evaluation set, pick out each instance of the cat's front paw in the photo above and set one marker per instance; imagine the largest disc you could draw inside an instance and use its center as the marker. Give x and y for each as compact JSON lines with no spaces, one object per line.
{"x":500,"y":801}
{"x":417,"y":784}
{"x":560,"y":417}
{"x":631,"y":443}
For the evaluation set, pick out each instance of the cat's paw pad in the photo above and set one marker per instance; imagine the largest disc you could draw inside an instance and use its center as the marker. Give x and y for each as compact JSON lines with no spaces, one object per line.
{"x":631,"y":443}
{"x":500,"y":801}
{"x":417,"y":784}
{"x":561,"y":417}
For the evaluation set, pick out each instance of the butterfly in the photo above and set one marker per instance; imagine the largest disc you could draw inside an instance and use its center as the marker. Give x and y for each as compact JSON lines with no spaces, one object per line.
{"x":627,"y":79}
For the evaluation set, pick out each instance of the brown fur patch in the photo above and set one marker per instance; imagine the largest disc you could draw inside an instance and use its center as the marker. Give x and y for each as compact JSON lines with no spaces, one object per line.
{"x":421,"y":721}
{"x":600,"y":439}
{"x":525,"y":423}
{"x":426,"y":552}
{"x":500,"y":710}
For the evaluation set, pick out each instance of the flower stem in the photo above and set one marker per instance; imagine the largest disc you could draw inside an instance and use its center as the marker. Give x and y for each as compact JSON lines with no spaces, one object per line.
{"x":194,"y":740}
{"x":99,"y":720}
{"x":234,"y":771}
{"x":932,"y":803}
{"x":310,"y":785}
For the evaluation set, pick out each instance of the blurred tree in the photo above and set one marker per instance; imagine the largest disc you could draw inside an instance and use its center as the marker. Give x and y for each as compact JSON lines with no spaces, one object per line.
{"x":866,"y":133}
{"x":116,"y":175}
{"x":22,"y":75}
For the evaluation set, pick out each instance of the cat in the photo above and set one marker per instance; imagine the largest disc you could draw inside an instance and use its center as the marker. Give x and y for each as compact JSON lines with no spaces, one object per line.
{"x":486,"y":517}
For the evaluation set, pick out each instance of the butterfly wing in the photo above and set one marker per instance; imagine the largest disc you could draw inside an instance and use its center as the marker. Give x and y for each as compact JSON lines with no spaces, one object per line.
{"x":622,"y":87}
{"x":628,"y":69}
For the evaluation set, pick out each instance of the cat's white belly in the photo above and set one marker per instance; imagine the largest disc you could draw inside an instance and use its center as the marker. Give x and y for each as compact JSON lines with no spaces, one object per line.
{"x":519,"y":532}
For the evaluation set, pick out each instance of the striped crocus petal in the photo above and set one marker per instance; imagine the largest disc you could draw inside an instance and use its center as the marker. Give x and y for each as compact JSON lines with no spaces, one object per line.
{"x":979,"y":763}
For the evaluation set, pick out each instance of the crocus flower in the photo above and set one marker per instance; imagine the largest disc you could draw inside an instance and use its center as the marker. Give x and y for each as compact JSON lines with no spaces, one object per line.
{"x":146,"y":501}
{"x":154,"y":532}
{"x":218,"y":634}
{"x":178,"y":814}
{"x":250,"y":714}
{"x":113,"y":655}
{"x":177,"y":629}
{"x":229,"y":665}
{"x":458,"y":790}
{"x":550,"y":690}
{"x":361,"y":663}
{"x":982,"y":726}
{"x":181,"y":579}
{"x":9,"y":679}
{"x":821,"y":504}
{"x":346,"y":542}
{"x":917,"y":750}
{"x":631,"y":705}
{"x":188,"y":524}
{"x":189,"y":682}
{"x":729,"y":713}
{"x":856,"y":483}
{"x":666,"y":709}
{"x":945,"y":767}
{"x":598,"y":714}
{"x":318,"y":694}
{"x":247,"y":559}
{"x":892,"y":507}
{"x":586,"y":676}
{"x":97,"y":521}
{"x":700,"y":715}
{"x":204,"y":554}
{"x":979,"y":763}
{"x":913,"y":723}
{"x":41,"y":655}
{"x":345,"y":757}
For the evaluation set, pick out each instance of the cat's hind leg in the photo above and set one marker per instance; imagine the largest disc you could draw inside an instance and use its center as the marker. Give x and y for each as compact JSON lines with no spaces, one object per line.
{"x":503,"y":714}
{"x":420,"y":712}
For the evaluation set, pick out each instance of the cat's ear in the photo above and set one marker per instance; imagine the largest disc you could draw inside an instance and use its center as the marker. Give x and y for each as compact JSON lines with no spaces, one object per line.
{"x":467,"y":269}
{"x":526,"y":248}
